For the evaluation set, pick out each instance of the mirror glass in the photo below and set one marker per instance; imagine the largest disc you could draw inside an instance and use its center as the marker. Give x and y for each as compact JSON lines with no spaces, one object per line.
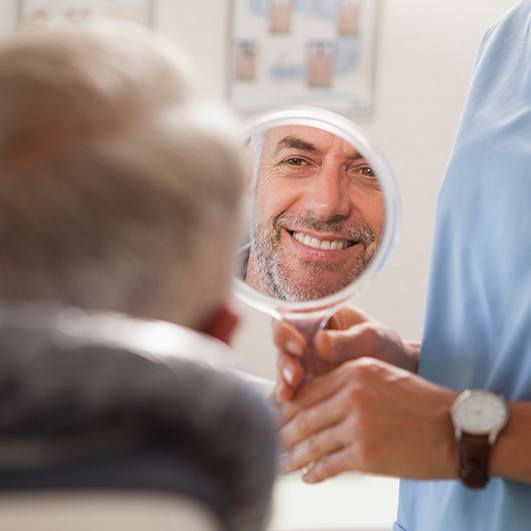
{"x":322,"y":211}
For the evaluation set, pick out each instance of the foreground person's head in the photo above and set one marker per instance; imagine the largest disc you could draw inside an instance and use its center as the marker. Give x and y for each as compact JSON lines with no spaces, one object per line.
{"x":117,"y":191}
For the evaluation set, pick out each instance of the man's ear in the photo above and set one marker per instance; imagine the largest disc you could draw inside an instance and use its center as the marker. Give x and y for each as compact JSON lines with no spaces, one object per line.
{"x":221,"y":324}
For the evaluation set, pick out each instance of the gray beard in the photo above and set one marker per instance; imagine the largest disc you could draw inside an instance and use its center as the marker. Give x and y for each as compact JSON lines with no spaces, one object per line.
{"x":265,"y":247}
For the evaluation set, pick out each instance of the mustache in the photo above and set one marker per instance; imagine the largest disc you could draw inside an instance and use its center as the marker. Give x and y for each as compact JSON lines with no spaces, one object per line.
{"x":361,"y":232}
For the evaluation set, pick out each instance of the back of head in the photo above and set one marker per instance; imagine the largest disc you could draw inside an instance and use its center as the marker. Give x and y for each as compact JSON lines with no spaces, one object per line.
{"x":118,"y":190}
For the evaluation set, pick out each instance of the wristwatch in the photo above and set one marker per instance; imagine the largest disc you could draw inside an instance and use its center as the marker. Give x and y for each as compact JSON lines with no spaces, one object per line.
{"x":478,"y":417}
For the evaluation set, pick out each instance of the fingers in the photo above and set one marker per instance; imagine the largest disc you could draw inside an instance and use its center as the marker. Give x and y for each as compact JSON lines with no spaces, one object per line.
{"x":312,"y":393}
{"x":291,"y":345}
{"x":346,"y":317}
{"x":290,"y":375}
{"x":315,"y":448}
{"x":290,"y":369}
{"x":288,"y":339}
{"x":338,"y":346}
{"x":307,"y":423}
{"x":337,"y":342}
{"x":331,"y":465}
{"x":284,"y":392}
{"x":334,"y":346}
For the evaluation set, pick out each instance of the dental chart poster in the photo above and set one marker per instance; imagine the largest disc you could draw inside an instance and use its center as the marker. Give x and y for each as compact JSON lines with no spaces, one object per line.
{"x":302,"y":52}
{"x":34,"y":12}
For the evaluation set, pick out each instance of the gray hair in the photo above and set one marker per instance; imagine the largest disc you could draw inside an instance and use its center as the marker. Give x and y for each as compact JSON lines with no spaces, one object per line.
{"x":118,"y":191}
{"x":256,"y":146}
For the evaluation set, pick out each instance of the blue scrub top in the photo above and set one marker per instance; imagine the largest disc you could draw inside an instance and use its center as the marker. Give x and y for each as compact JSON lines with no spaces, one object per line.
{"x":478,"y":324}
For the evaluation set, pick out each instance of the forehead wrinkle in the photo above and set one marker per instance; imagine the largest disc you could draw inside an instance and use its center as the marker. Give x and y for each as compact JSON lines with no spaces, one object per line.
{"x":346,"y":150}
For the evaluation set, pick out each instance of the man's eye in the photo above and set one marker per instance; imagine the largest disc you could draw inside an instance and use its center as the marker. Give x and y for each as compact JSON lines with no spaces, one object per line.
{"x":367,"y":171}
{"x":360,"y":169}
{"x":295,"y":161}
{"x":365,"y":176}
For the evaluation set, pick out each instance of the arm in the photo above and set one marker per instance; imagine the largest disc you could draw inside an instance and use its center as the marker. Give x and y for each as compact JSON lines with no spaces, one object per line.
{"x":369,"y":416}
{"x":510,"y":456}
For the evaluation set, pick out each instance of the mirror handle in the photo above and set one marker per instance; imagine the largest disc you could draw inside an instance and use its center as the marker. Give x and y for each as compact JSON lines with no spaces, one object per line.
{"x":308,"y":325}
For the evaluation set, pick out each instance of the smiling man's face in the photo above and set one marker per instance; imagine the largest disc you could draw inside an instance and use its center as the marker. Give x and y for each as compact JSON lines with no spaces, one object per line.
{"x":318,"y":216}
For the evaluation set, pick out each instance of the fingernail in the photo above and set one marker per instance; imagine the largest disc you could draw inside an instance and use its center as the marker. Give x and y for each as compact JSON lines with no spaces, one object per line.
{"x":288,"y":375}
{"x":308,"y":473}
{"x":294,"y":347}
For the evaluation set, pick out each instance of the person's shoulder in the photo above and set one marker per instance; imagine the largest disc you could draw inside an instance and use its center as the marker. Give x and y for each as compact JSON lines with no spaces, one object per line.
{"x":506,"y":33}
{"x":516,"y":17}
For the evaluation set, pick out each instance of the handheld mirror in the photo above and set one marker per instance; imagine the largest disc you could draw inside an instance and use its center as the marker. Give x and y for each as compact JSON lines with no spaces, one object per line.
{"x":322,"y":218}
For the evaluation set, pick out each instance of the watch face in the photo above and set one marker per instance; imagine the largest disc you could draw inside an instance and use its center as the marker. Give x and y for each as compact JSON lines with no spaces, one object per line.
{"x":479,"y":412}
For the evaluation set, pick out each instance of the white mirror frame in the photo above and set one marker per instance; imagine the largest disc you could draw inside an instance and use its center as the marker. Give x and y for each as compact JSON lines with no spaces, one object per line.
{"x":350,"y":132}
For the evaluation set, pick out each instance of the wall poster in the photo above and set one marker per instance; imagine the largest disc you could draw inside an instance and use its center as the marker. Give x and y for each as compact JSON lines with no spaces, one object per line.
{"x":31,"y":12}
{"x":302,"y":52}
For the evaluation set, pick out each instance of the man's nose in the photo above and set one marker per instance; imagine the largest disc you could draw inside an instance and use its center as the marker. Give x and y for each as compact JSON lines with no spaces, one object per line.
{"x":327,"y":196}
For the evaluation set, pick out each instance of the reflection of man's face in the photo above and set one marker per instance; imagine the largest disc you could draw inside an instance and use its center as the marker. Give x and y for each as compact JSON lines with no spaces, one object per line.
{"x":319,"y":214}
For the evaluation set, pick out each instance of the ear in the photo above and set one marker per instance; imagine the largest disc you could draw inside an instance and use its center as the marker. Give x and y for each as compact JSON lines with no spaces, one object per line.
{"x":221,"y":324}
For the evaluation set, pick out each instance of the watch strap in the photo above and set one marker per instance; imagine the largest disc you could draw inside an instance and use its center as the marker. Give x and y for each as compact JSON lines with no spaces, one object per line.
{"x":474,"y":456}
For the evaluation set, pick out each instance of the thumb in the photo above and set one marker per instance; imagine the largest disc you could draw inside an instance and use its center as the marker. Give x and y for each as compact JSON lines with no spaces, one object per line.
{"x":338,"y":346}
{"x":346,"y":317}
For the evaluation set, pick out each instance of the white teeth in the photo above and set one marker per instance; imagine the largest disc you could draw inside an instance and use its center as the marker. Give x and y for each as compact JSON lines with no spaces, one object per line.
{"x":318,"y":244}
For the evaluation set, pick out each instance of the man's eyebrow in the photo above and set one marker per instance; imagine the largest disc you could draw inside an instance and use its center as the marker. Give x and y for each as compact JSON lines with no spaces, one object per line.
{"x":297,"y":143}
{"x":357,"y":156}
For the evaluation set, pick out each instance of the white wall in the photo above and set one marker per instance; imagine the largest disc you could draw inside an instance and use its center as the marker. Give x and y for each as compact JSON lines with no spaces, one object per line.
{"x":425,"y":55}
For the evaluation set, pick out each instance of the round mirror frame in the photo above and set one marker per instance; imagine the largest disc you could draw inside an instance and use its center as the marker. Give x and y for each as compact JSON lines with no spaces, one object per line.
{"x":351,"y":133}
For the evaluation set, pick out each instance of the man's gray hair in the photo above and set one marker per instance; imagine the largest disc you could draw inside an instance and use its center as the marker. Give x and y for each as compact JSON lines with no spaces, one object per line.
{"x":256,"y":146}
{"x":118,"y":190}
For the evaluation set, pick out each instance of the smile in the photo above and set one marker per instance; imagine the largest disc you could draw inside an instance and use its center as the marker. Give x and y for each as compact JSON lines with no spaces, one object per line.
{"x":326,"y":245}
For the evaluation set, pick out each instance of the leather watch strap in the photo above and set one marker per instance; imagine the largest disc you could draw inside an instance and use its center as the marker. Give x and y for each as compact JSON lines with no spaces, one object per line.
{"x":474,"y":454}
